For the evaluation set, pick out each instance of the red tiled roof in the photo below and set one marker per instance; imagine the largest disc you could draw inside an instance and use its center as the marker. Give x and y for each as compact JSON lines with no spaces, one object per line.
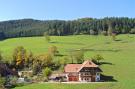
{"x":72,"y":67}
{"x":78,"y":67}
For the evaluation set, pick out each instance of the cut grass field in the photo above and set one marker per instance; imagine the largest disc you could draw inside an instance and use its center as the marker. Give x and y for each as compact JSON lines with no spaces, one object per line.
{"x":119,"y":57}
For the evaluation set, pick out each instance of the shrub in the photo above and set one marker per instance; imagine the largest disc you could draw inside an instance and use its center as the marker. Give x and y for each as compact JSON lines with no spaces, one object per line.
{"x":92,"y":32}
{"x":104,"y":33}
{"x":132,"y":31}
{"x":47,"y":72}
{"x":2,"y":82}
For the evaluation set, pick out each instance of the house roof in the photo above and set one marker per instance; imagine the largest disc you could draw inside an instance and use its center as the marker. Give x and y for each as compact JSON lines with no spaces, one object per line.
{"x":87,"y":64}
{"x":72,"y":67}
{"x":78,"y":67}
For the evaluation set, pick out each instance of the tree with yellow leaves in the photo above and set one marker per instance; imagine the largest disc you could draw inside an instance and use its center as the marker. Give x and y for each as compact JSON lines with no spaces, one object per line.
{"x":53,"y":50}
{"x":20,"y":56}
{"x":45,"y":60}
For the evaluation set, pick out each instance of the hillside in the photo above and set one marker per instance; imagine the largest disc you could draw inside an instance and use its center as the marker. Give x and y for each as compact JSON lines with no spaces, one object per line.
{"x":92,"y":26}
{"x":119,"y":57}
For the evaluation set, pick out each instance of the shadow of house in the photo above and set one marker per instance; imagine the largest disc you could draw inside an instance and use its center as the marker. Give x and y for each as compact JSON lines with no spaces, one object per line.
{"x":107,"y":78}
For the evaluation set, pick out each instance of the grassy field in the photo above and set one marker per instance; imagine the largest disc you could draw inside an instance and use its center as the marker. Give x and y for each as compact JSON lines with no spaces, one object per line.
{"x":119,"y":55}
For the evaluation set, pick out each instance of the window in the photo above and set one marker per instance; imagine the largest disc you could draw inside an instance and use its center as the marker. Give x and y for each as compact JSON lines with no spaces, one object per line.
{"x":81,"y":78}
{"x":88,"y":73}
{"x":82,"y":74}
{"x":98,"y":79}
{"x":98,"y":74}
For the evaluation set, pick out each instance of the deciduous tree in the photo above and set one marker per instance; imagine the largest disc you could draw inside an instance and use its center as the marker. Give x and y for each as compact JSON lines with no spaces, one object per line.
{"x":45,"y":60}
{"x":98,"y":58}
{"x":20,"y":56}
{"x":53,"y":50}
{"x":78,"y":56}
{"x":47,"y":37}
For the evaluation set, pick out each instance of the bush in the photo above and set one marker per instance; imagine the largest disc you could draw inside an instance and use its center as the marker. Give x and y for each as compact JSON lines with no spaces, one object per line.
{"x":2,"y":82}
{"x":20,"y":84}
{"x":56,"y":64}
{"x":36,"y":68}
{"x":92,"y":32}
{"x":113,"y":36}
{"x":47,"y":72}
{"x":13,"y":80}
{"x":104,"y":33}
{"x":132,"y":31}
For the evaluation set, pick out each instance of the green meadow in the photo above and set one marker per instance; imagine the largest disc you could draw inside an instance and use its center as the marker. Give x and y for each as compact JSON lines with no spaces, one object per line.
{"x":119,"y":57}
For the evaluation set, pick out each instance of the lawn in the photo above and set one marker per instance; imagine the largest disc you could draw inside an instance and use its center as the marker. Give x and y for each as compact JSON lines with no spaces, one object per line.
{"x":119,"y":57}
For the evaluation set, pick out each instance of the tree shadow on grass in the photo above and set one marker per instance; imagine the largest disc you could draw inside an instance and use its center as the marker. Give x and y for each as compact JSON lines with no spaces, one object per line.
{"x":108,"y":78}
{"x":124,"y":41}
{"x":118,"y":40}
{"x":53,"y":42}
{"x":107,"y":43}
{"x":109,"y":50}
{"x":71,"y":43}
{"x":60,"y":55}
{"x":107,"y":63}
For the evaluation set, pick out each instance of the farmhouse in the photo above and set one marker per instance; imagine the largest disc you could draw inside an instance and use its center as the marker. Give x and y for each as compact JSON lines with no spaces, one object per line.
{"x":86,"y":72}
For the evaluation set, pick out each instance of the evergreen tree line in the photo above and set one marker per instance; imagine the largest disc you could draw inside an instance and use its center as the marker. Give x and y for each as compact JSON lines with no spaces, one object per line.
{"x":92,"y":26}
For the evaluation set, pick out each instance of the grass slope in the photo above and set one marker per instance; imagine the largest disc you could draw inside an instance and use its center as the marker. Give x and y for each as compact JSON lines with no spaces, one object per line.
{"x":120,"y":53}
